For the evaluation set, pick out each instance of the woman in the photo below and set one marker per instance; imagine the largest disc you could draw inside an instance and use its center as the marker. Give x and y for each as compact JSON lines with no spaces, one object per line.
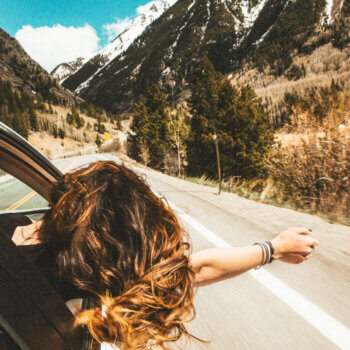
{"x":108,"y":236}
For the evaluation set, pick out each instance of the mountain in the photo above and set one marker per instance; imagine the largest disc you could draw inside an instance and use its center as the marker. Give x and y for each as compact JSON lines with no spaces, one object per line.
{"x":91,"y":66}
{"x":236,"y":35}
{"x":24,"y":74}
{"x":64,"y":70}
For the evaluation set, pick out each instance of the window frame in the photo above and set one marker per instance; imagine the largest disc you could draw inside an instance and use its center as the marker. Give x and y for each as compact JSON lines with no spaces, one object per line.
{"x":19,"y":278}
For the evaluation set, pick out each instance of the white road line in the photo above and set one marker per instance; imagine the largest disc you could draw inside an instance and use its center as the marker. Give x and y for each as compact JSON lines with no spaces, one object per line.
{"x":327,"y":325}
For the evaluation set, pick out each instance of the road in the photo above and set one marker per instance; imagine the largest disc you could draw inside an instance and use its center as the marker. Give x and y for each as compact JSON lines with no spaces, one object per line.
{"x":282,"y":306}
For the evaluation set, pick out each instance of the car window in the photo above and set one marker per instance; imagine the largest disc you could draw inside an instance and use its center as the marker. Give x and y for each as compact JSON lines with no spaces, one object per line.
{"x":17,"y":196}
{"x":6,"y":342}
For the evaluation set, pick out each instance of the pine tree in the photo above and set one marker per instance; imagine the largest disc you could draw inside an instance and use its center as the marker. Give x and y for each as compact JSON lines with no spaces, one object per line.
{"x":242,"y":129}
{"x":61,"y":133}
{"x":203,"y":103}
{"x":98,"y":141}
{"x":20,"y":124}
{"x":245,"y":136}
{"x":33,"y":119}
{"x":149,"y":126}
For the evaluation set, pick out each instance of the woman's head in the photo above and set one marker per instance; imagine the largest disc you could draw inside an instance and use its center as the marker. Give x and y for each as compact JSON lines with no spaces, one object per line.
{"x":114,"y":238}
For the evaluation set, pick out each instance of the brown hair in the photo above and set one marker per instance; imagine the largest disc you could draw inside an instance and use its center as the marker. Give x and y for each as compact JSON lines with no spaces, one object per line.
{"x":115,"y":239}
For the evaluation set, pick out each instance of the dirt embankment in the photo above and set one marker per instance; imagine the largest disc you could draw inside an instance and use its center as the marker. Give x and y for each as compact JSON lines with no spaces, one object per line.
{"x":82,"y":140}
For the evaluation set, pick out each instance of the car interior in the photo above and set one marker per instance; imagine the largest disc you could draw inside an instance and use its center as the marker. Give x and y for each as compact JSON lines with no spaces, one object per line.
{"x":32,"y":314}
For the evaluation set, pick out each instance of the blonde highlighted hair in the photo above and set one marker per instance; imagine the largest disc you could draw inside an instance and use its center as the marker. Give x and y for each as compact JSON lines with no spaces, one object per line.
{"x":113,"y":238}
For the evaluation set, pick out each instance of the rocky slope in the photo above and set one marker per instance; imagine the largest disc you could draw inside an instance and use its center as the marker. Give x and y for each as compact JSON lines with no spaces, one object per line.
{"x":234,"y":34}
{"x":91,"y":66}
{"x":24,"y":74}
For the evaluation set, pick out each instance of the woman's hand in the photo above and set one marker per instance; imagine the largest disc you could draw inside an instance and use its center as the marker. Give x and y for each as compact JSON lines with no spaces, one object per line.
{"x":294,"y":245}
{"x":216,"y":264}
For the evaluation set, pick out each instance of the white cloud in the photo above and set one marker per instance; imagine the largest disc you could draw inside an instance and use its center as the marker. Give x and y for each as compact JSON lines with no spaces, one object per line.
{"x":114,"y":29}
{"x":50,"y":46}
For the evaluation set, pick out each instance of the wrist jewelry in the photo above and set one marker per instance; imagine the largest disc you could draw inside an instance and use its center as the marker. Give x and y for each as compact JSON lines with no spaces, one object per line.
{"x":264,"y":255}
{"x":267,"y":253}
{"x":272,"y":251}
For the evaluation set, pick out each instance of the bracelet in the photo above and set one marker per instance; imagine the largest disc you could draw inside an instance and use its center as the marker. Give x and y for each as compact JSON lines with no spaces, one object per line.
{"x":268,"y":250}
{"x":263,"y":261}
{"x":272,"y":251}
{"x":267,"y":253}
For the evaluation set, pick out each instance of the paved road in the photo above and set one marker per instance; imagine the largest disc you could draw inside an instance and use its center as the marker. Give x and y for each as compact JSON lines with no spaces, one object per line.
{"x":283,"y":307}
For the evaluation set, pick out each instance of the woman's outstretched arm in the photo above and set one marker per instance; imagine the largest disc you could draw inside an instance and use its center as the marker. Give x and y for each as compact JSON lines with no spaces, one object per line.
{"x":212,"y":265}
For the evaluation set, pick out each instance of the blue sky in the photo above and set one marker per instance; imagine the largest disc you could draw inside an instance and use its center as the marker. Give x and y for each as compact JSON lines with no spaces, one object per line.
{"x":91,"y":23}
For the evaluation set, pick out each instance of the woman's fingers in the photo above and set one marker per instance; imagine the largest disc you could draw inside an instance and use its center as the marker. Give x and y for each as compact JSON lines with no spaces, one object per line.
{"x":293,"y":258}
{"x":294,"y":245}
{"x":302,"y":230}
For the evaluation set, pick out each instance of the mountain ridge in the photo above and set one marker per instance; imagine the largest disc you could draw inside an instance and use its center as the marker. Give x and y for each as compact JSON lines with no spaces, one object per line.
{"x":232,"y":33}
{"x":24,"y":74}
{"x":92,"y":65}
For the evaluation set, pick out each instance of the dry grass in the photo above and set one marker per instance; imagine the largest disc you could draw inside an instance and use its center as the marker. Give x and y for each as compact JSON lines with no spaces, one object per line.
{"x":313,"y":166}
{"x":323,"y":65}
{"x":309,"y":170}
{"x":75,"y":139}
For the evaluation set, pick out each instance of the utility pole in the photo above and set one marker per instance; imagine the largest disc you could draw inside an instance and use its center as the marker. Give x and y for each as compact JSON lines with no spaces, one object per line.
{"x":215,"y":137}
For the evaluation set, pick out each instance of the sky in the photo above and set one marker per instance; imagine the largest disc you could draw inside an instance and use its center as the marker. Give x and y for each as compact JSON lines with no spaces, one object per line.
{"x":66,"y":29}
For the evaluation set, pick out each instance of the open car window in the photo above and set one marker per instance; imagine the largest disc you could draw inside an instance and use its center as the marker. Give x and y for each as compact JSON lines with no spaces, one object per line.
{"x":15,"y":196}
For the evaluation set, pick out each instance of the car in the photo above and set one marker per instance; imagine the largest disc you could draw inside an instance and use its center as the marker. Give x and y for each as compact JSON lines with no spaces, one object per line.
{"x":32,"y":314}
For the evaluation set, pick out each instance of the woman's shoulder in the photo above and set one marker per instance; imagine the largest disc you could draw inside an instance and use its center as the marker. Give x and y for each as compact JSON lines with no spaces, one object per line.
{"x":9,"y":222}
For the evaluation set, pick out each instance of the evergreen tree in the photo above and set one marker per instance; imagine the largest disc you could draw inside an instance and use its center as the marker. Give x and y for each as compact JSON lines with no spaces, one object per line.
{"x":98,"y":141}
{"x":33,"y":119}
{"x":244,"y":134}
{"x":242,"y":129}
{"x":69,"y":119}
{"x":149,"y":126}
{"x":61,"y":133}
{"x":201,"y":155}
{"x":20,"y":124}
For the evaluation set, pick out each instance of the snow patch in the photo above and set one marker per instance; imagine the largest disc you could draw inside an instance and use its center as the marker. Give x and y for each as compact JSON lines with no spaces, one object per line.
{"x":251,"y":15}
{"x":191,"y":5}
{"x":137,"y":69}
{"x":176,"y":40}
{"x":166,"y":71}
{"x":329,"y":6}
{"x":204,"y":28}
{"x":263,"y":37}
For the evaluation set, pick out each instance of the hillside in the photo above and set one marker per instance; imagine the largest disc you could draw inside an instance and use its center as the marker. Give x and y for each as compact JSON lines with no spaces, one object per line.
{"x":238,"y":36}
{"x":88,"y":67}
{"x":24,"y":74}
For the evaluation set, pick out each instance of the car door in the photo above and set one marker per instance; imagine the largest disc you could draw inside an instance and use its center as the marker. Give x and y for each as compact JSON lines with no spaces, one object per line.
{"x":32,"y":315}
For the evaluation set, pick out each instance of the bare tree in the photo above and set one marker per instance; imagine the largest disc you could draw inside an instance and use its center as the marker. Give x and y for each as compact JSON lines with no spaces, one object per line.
{"x":144,"y":153}
{"x":178,"y":129}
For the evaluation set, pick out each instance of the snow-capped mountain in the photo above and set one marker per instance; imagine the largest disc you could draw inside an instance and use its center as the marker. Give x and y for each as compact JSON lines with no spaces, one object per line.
{"x":64,"y":70}
{"x":262,"y":34}
{"x":91,"y":66}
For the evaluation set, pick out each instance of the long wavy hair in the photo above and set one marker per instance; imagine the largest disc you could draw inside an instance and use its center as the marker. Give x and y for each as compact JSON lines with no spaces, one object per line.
{"x":113,"y":238}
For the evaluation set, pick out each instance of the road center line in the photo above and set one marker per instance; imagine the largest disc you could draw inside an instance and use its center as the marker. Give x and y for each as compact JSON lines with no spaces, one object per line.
{"x":327,"y":325}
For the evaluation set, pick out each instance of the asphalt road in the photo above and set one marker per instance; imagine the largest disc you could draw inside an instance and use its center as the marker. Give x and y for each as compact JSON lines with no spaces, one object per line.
{"x":282,"y":306}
